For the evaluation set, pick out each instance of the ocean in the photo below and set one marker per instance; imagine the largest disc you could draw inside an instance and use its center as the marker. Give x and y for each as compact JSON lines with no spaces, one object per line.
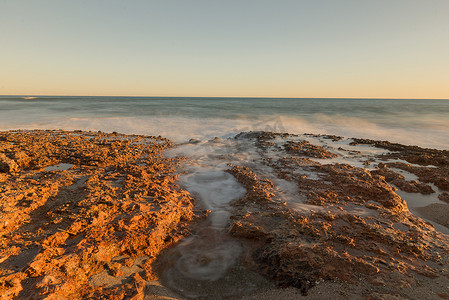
{"x":422,"y":122}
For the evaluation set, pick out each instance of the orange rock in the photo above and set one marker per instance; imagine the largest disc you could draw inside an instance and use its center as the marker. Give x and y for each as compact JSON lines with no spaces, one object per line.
{"x":7,"y":165}
{"x":79,"y":219}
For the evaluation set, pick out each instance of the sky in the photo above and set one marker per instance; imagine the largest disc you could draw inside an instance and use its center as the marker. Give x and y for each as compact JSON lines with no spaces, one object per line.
{"x":209,"y":48}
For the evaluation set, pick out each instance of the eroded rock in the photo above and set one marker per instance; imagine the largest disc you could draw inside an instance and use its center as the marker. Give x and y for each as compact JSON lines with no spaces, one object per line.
{"x":305,"y":148}
{"x":62,"y":227}
{"x":360,"y":227}
{"x":7,"y":165}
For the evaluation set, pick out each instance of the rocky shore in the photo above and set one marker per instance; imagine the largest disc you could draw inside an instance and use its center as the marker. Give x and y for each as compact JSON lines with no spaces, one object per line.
{"x":360,"y":231}
{"x":75,"y":205}
{"x":87,"y":215}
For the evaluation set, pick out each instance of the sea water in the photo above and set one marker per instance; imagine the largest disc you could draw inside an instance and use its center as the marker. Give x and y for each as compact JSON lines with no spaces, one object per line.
{"x":422,"y":122}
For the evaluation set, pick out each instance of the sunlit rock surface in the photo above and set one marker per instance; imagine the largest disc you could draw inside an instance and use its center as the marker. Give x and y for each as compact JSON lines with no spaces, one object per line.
{"x":96,"y":215}
{"x":77,"y":204}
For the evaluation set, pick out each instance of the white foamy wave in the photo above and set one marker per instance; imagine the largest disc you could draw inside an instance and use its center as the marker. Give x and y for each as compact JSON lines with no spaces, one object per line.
{"x":181,"y":129}
{"x":178,"y":129}
{"x":360,"y":128}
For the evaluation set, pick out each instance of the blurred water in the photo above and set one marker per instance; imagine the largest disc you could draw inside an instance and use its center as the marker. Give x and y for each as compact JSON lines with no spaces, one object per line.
{"x":421,"y":122}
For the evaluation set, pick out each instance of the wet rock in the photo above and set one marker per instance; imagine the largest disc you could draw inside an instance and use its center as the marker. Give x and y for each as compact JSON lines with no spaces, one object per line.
{"x":194,"y":141}
{"x":358,"y":185}
{"x":360,"y":230}
{"x":444,"y":197}
{"x":399,"y":181}
{"x":438,"y":176}
{"x":412,"y":154}
{"x":381,"y":165}
{"x":307,"y":149}
{"x":334,"y":138}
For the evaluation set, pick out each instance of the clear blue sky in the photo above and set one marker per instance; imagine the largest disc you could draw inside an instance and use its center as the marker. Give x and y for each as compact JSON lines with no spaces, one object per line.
{"x":315,"y":48}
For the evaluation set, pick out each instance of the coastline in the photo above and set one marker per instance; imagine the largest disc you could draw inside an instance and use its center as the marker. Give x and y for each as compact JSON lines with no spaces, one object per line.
{"x":86,"y":214}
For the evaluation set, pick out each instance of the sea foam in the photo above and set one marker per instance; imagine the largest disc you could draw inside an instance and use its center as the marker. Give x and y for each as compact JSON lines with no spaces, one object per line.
{"x":181,"y":129}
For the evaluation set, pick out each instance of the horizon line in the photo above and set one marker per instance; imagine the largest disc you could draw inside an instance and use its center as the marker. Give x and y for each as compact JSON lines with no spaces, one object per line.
{"x":236,"y":97}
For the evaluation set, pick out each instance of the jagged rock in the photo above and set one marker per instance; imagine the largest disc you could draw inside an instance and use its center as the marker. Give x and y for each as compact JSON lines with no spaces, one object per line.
{"x":307,"y":149}
{"x":7,"y":165}
{"x":119,"y":199}
{"x":21,"y":158}
{"x":361,"y":230}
